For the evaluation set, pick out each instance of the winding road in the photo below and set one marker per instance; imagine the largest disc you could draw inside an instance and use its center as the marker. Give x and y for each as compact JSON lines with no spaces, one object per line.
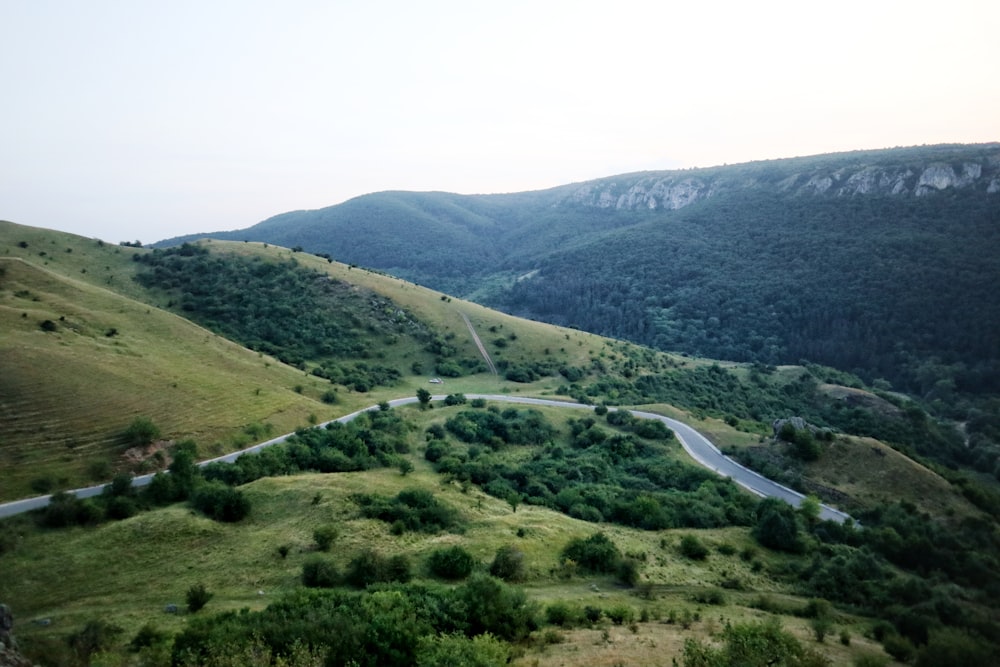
{"x":694,"y":443}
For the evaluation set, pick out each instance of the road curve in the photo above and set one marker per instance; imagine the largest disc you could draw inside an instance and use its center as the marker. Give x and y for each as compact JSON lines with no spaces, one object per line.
{"x":695,"y":444}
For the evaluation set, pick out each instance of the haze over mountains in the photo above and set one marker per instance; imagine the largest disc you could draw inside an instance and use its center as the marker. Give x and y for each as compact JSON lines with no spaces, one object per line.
{"x":879,"y":262}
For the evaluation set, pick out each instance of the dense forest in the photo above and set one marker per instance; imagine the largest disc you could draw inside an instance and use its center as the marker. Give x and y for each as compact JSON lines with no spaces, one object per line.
{"x":281,"y":309}
{"x":886,"y":288}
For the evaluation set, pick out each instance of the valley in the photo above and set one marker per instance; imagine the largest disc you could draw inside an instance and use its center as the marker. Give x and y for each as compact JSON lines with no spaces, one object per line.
{"x":124,"y":362}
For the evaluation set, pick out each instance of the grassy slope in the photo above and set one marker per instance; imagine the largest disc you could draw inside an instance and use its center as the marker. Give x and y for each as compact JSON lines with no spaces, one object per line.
{"x":65,"y":396}
{"x":65,"y":385}
{"x":160,"y":554}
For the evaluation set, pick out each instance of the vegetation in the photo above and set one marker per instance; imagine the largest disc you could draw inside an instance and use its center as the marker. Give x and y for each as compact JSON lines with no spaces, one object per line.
{"x":336,"y":556}
{"x":601,"y":474}
{"x":280,"y":309}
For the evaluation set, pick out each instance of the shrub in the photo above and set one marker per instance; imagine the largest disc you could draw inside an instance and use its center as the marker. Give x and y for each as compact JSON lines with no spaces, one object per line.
{"x":592,"y":614}
{"x":562,"y":614}
{"x":596,"y":553}
{"x":319,"y":573}
{"x":508,"y":564}
{"x":142,"y":431}
{"x":94,"y":637}
{"x":899,"y":647}
{"x":370,"y":567}
{"x":628,"y":571}
{"x":691,"y":547}
{"x":621,"y":614}
{"x":494,"y":607}
{"x":197,"y":597}
{"x":220,"y":502}
{"x":483,"y":650}
{"x":65,"y":509}
{"x":451,"y":563}
{"x":146,"y":636}
{"x":324,"y":537}
{"x":712,"y":596}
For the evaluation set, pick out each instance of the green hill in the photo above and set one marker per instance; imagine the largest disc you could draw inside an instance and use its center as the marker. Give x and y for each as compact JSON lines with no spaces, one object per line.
{"x":861,"y":261}
{"x":96,"y":336}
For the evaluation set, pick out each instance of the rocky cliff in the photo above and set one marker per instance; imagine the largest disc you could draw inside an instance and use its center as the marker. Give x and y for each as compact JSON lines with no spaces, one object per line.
{"x":676,"y":189}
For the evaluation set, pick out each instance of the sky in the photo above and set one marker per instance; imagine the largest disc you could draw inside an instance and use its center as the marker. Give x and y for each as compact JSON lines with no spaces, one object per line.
{"x":147,"y":119}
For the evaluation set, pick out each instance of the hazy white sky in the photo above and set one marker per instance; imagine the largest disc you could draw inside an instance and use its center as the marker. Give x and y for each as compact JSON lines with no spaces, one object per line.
{"x":142,"y":119}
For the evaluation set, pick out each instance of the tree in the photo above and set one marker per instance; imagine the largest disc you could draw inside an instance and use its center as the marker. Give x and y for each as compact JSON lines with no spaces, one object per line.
{"x":514,"y":499}
{"x":596,"y":553}
{"x":197,"y":597}
{"x":424,"y":397}
{"x":777,"y":527}
{"x":810,"y":508}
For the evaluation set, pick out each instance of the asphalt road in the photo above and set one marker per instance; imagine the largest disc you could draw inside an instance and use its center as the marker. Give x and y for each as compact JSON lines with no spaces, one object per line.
{"x":694,"y":443}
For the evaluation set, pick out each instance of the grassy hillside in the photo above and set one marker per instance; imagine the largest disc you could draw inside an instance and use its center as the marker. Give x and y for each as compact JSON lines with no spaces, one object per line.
{"x":163,"y":553}
{"x":119,"y":345}
{"x":67,"y":395}
{"x":114,"y":354}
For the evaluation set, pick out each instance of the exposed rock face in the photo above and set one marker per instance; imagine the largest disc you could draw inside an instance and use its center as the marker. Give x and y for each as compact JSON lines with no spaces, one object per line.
{"x":677,"y":189}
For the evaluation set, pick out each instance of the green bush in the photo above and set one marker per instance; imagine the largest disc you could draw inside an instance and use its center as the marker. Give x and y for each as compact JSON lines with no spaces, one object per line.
{"x":899,"y":647}
{"x":493,"y":606}
{"x":483,"y":650}
{"x":451,"y":563}
{"x":508,"y":564}
{"x":563,"y":614}
{"x":220,"y":502}
{"x":691,"y":547}
{"x":370,"y":567}
{"x":324,"y":537}
{"x":319,"y":573}
{"x":621,"y":614}
{"x":628,"y":571}
{"x":142,"y":431}
{"x":197,"y":597}
{"x":596,"y":553}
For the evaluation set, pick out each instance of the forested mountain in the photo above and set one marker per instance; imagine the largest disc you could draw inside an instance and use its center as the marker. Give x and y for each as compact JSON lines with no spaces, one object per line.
{"x":877,"y":262}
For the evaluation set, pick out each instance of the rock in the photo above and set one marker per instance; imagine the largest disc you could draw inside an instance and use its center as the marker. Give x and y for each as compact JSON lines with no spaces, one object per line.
{"x":9,"y":654}
{"x":170,"y":609}
{"x":798,"y":422}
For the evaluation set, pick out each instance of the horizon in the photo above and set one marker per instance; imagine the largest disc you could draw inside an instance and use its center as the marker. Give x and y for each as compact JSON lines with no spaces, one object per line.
{"x":145,"y":122}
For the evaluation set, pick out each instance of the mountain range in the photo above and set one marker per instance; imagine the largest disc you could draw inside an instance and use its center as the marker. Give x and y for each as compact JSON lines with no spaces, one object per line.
{"x":877,"y":262}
